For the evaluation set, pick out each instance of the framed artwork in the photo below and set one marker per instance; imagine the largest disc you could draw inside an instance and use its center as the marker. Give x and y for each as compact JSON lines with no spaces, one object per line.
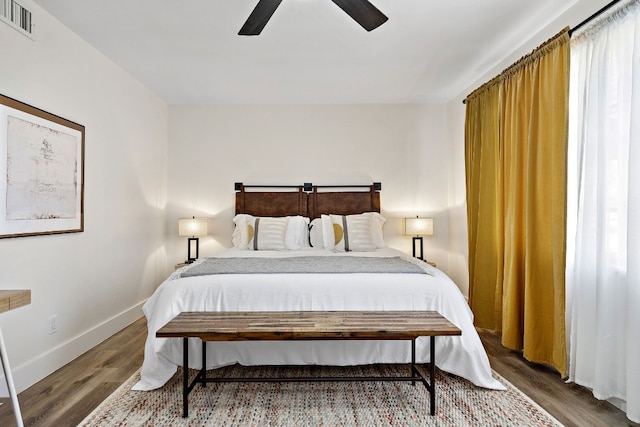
{"x":41,"y":170}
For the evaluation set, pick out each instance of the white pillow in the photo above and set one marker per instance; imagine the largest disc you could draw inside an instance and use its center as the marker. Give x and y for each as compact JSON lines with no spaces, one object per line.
{"x":265,"y":233}
{"x":239,"y":238}
{"x":315,"y":233}
{"x":297,"y":235}
{"x":346,"y":233}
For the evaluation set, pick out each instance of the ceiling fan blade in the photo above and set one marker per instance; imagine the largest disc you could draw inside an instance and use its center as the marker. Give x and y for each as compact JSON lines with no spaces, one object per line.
{"x":363,"y":12}
{"x":259,"y":17}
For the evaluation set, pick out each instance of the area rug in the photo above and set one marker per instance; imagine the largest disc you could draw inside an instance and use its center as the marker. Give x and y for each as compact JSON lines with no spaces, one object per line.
{"x":458,"y":403}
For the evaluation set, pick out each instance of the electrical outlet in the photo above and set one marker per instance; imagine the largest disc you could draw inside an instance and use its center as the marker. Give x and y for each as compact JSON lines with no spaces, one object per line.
{"x":53,"y":324}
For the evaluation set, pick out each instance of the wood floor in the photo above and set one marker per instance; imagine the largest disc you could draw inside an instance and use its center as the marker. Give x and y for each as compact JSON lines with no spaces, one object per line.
{"x":68,"y":395}
{"x":571,"y":404}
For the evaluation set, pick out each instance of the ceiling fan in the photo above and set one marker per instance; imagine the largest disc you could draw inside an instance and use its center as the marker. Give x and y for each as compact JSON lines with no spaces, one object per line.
{"x":362,"y":11}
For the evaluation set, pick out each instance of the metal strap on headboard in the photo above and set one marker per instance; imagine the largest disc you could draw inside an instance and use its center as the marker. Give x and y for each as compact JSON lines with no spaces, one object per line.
{"x":377,"y":186}
{"x":307,"y":186}
{"x":239,"y":186}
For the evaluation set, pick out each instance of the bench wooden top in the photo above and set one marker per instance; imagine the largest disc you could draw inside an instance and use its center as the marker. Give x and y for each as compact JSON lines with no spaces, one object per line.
{"x":307,"y":325}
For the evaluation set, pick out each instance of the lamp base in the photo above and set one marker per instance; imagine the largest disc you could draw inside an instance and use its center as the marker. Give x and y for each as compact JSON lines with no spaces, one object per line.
{"x":190,"y":241}
{"x":418,"y":238}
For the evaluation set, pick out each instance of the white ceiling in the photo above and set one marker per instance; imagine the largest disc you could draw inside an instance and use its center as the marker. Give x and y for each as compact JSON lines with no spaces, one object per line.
{"x":310,"y":52}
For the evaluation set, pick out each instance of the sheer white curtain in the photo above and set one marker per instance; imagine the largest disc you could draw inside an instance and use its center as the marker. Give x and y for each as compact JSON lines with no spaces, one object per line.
{"x":603,"y":216}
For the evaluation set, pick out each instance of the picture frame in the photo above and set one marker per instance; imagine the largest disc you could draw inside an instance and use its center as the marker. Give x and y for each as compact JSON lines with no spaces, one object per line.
{"x":42,"y":170}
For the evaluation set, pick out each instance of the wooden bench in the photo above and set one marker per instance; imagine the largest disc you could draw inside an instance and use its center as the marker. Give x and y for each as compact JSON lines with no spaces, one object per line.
{"x":308,"y":325}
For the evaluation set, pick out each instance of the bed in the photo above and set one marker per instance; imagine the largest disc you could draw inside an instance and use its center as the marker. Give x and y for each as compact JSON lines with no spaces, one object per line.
{"x":341,"y":262}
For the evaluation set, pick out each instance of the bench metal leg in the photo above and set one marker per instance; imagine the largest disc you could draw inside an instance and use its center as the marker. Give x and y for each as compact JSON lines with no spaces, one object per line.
{"x":431,"y":384}
{"x":432,"y":373}
{"x":185,"y":377}
{"x":201,"y":376}
{"x":203,"y":370}
{"x":413,"y":360}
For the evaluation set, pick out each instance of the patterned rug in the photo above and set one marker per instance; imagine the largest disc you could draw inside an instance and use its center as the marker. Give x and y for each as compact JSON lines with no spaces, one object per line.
{"x":458,"y":402}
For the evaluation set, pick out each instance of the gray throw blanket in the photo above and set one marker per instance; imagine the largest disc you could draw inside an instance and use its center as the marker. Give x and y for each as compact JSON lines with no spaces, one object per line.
{"x":304,"y":264}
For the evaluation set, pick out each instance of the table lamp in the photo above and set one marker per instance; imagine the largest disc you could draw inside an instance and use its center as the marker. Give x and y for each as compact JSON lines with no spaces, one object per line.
{"x":418,"y":227}
{"x":193,"y":228}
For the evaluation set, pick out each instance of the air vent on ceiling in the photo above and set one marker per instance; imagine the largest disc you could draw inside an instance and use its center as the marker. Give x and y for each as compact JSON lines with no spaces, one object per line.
{"x":16,"y":16}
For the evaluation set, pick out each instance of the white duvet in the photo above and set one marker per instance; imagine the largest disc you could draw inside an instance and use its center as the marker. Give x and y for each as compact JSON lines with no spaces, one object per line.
{"x":460,"y":355}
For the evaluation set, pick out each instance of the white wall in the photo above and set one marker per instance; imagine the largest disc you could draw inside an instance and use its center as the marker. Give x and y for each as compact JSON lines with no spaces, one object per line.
{"x":93,"y":281}
{"x":402,"y":146}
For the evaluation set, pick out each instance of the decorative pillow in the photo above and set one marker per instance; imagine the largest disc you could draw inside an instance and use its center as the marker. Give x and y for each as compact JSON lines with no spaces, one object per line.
{"x":315,"y":233}
{"x":376,"y":229}
{"x":264,"y":233}
{"x":346,"y":233}
{"x":296,"y":235}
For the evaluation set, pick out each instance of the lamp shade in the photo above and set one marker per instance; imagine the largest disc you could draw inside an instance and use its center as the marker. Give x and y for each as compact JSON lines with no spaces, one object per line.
{"x":418,"y":226}
{"x":192,"y":227}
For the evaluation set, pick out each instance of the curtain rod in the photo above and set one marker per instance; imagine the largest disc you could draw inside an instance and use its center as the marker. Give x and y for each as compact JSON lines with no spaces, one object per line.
{"x":586,"y":21}
{"x":592,"y":17}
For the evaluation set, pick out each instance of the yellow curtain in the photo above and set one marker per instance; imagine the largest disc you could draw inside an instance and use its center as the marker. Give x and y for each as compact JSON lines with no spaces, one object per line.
{"x":516,"y":143}
{"x":484,"y":204}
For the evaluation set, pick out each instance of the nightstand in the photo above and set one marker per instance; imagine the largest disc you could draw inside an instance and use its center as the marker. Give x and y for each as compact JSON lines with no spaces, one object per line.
{"x":180,"y":265}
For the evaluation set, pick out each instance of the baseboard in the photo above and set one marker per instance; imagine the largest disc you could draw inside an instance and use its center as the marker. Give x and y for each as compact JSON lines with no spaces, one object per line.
{"x":30,"y":372}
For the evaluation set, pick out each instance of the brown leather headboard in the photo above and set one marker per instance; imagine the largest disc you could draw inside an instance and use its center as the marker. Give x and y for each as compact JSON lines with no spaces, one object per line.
{"x":342,"y":202}
{"x":310,"y":201}
{"x":271,"y":203}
